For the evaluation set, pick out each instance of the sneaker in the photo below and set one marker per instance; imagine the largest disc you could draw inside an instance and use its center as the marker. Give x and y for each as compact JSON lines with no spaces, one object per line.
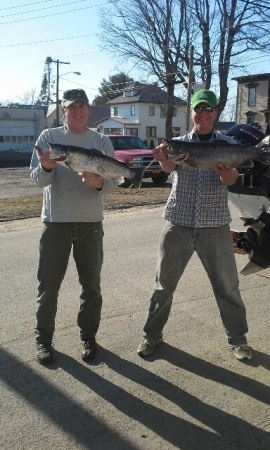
{"x":89,"y":350}
{"x":44,"y":354}
{"x":148,"y":346}
{"x":242,"y":352}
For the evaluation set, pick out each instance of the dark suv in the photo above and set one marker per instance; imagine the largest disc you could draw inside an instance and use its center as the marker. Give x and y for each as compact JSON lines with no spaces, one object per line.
{"x":134,"y":153}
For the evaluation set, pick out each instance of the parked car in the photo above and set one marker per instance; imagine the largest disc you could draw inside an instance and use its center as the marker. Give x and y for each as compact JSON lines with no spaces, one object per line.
{"x":135,"y":154}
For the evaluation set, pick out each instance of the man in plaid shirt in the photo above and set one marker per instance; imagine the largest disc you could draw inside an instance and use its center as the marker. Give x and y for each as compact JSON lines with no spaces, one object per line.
{"x":197,"y":219}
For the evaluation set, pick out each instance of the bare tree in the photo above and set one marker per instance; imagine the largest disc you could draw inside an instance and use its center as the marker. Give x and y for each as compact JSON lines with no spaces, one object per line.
{"x":158,"y":34}
{"x":230,"y":31}
{"x":29,"y":97}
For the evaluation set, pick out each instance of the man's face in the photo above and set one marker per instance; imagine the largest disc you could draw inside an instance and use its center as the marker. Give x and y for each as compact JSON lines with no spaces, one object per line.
{"x":204,"y":117}
{"x":77,"y":115}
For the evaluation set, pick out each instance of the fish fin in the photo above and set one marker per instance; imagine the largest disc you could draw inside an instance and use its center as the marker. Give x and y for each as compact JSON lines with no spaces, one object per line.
{"x":96,"y":152}
{"x":137,"y":180}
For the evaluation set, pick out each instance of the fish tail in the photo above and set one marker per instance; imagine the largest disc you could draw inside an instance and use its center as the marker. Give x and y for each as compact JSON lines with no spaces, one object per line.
{"x":264,"y":150}
{"x":137,"y":179}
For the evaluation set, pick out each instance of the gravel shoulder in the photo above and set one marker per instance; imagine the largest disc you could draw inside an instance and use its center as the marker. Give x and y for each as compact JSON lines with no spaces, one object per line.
{"x":21,"y":199}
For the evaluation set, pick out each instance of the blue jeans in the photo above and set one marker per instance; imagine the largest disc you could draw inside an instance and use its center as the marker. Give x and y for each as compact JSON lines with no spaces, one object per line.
{"x":56,"y":242}
{"x":214,"y":248}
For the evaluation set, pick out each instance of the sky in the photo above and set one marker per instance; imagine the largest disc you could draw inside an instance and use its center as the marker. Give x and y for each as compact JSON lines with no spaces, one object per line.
{"x":64,"y":30}
{"x":30,"y":31}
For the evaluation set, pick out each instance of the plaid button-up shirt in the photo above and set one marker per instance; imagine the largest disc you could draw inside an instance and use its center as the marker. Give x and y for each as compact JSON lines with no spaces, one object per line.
{"x":198,"y":198}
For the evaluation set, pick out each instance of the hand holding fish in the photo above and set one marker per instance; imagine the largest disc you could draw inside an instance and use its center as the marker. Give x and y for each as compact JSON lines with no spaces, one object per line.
{"x":159,"y":153}
{"x":161,"y":156}
{"x":91,"y":180}
{"x":44,"y":158}
{"x":228,"y":174}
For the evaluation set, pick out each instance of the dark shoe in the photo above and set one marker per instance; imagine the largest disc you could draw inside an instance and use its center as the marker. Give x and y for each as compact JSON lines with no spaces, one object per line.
{"x":44,"y":353}
{"x":148,"y":346}
{"x":89,"y":350}
{"x":242,"y":352}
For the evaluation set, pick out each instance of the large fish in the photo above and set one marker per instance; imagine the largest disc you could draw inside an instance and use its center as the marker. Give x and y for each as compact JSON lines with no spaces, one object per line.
{"x":85,"y":160}
{"x":207,"y":155}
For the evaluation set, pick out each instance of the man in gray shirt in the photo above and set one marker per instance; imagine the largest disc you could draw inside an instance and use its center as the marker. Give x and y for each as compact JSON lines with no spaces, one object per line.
{"x":72,"y":215}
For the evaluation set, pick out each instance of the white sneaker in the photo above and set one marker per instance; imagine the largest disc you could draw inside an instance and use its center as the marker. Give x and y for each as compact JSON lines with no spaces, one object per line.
{"x":242,"y":352}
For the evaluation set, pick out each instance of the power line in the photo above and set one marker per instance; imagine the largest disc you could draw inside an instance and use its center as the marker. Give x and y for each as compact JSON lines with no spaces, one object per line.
{"x":27,"y":4}
{"x":50,"y":15}
{"x":49,"y":40}
{"x":40,"y":9}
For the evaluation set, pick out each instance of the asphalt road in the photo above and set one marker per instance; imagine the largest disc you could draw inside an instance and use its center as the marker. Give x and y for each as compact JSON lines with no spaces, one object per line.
{"x":191,"y":394}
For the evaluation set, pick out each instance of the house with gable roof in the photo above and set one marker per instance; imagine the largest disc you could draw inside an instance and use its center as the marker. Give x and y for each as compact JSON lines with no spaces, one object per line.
{"x":141,"y":111}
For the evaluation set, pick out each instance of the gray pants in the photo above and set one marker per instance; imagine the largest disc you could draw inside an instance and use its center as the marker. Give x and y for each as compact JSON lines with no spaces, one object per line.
{"x":214,"y":248}
{"x":56,"y":242}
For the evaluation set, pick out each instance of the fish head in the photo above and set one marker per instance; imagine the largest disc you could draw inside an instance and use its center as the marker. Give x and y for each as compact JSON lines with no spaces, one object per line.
{"x":176,"y":150}
{"x":58,"y":152}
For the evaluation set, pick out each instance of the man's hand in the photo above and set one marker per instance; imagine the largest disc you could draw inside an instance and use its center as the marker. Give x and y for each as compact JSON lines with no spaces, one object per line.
{"x":159,"y":153}
{"x":91,"y":180}
{"x":228,"y":175}
{"x":43,"y":156}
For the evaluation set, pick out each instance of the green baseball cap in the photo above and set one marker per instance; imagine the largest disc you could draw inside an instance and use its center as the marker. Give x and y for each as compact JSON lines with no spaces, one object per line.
{"x":204,"y":96}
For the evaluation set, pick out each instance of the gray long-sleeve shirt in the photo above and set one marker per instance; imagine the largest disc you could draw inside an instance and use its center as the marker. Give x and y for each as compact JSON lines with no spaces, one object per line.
{"x":65,"y":197}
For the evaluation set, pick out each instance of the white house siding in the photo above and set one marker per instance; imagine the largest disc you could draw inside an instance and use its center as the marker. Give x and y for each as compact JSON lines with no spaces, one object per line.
{"x":141,"y":120}
{"x":159,"y":122}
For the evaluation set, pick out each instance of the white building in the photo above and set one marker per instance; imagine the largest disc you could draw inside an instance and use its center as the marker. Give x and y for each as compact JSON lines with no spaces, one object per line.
{"x":141,"y":111}
{"x":19,"y":128}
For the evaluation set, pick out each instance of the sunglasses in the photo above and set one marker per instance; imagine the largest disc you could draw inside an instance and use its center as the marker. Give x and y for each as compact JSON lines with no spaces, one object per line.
{"x":202,"y":109}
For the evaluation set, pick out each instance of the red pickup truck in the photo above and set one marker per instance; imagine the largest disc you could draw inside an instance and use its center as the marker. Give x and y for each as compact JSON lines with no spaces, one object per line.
{"x":135,"y":154}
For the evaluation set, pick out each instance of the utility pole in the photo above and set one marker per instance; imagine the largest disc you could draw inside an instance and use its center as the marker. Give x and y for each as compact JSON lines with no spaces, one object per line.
{"x":57,"y":62}
{"x":190,"y":78}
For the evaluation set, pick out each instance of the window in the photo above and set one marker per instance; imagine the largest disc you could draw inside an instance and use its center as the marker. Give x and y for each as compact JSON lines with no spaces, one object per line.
{"x":251,"y":118}
{"x":132,"y":110}
{"x":163,"y":112}
{"x":176,"y":131}
{"x":7,"y":138}
{"x":251,"y":95}
{"x":13,"y":138}
{"x":132,"y":131}
{"x":1,"y":138}
{"x":151,"y":131}
{"x":151,"y":110}
{"x":114,"y":111}
{"x":112,"y":131}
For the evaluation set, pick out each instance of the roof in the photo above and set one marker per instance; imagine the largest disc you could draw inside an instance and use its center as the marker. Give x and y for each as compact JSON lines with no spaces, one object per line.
{"x":119,"y":120}
{"x":250,"y":78}
{"x":98,"y":114}
{"x":145,"y":94}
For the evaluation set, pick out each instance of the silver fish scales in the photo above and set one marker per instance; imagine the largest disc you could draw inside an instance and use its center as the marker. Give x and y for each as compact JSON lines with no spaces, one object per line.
{"x":92,"y":160}
{"x":207,"y":155}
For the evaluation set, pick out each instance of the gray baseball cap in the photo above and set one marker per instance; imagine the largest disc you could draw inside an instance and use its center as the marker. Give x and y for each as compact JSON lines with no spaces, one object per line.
{"x":74,"y":95}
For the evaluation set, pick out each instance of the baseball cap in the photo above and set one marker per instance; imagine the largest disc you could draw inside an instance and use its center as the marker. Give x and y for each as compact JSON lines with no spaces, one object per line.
{"x":204,"y":96}
{"x":74,"y":95}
